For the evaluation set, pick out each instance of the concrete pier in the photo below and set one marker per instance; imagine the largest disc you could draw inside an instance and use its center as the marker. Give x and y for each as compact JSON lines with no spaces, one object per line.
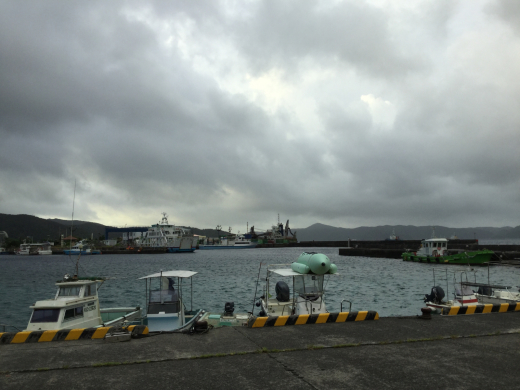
{"x":469,"y":351}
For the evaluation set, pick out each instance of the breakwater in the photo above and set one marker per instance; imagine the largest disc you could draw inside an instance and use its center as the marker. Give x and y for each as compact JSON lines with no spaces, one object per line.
{"x":379,"y":249}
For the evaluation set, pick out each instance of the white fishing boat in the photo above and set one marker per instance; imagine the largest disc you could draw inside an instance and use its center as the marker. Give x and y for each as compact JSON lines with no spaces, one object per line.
{"x":239,"y":241}
{"x":81,"y":248}
{"x":308,"y":288}
{"x":3,"y":251}
{"x":76,"y":305}
{"x":463,"y":295}
{"x":44,"y":248}
{"x":38,"y":248}
{"x":393,"y":237}
{"x":495,"y":294}
{"x":165,"y":302}
{"x":164,"y":235}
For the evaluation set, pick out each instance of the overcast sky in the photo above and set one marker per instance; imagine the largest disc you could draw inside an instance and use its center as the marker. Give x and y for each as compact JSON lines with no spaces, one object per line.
{"x":349,"y":113}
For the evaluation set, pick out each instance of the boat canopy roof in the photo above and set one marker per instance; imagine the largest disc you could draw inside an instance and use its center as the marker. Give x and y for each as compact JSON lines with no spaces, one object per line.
{"x":175,"y":274}
{"x":77,"y":282}
{"x":437,"y":239}
{"x":500,"y":287}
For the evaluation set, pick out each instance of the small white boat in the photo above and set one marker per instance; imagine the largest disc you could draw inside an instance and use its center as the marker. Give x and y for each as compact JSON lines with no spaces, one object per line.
{"x":165,"y":303}
{"x":308,"y":275}
{"x":3,"y":251}
{"x":393,"y":237}
{"x":81,"y":248}
{"x":76,"y":305}
{"x":495,"y":294}
{"x":463,"y":295}
{"x":78,"y":249}
{"x":238,"y":242}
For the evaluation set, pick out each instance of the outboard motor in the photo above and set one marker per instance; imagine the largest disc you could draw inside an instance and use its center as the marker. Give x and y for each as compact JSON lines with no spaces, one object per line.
{"x":282,"y":292}
{"x":436,"y":295}
{"x":229,"y":308}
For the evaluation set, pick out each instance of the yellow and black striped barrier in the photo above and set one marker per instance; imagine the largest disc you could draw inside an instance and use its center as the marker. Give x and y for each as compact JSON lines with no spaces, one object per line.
{"x":481,"y":309}
{"x":41,"y":336}
{"x":307,"y":319}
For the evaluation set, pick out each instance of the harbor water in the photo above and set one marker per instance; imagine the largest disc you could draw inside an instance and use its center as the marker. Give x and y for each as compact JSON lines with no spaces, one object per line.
{"x":390,"y":286}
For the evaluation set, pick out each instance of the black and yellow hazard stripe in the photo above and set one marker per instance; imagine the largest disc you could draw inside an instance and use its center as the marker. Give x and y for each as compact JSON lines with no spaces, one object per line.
{"x":481,"y":309}
{"x":307,"y":319}
{"x":42,"y":336}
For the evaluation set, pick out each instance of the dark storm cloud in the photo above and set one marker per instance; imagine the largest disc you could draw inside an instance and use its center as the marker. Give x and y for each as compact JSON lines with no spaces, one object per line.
{"x":507,"y":10}
{"x":285,"y":33}
{"x":155,"y":106}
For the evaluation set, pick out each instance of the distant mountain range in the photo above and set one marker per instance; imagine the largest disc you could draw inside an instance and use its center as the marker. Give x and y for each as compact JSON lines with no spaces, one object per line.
{"x":321,"y":232}
{"x":22,"y":226}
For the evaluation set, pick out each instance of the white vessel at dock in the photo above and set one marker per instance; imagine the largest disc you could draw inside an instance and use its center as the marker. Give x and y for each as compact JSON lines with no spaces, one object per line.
{"x":39,"y":248}
{"x":236,"y":242}
{"x":76,"y":305}
{"x":462,"y":293}
{"x":81,"y":248}
{"x":172,"y":238}
{"x":165,"y":304}
{"x":308,"y":275}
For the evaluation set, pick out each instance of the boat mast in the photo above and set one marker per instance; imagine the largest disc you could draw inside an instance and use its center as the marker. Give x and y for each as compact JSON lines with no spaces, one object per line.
{"x":71,"y":226}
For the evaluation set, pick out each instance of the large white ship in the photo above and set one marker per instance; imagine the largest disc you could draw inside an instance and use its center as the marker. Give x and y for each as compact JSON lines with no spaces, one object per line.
{"x":173,"y":238}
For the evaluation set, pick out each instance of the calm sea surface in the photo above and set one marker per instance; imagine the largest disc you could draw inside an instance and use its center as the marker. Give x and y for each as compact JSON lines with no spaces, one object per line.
{"x":391,"y":287}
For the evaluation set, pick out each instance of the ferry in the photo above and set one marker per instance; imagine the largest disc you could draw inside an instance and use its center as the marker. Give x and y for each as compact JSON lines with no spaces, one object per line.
{"x":76,"y":306}
{"x":164,"y":235}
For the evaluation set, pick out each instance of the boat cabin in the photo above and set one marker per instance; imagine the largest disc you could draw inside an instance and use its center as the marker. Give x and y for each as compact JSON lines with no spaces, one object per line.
{"x":433,"y":247}
{"x":164,"y":300}
{"x":76,"y":305}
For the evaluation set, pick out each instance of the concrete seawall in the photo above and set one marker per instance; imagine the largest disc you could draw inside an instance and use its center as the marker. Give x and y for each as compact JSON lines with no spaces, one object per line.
{"x":468,"y":351}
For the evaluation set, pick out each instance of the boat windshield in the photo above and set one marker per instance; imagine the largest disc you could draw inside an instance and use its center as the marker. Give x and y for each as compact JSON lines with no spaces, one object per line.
{"x":45,"y":315}
{"x":309,"y":286}
{"x":464,"y":290}
{"x":69,"y":291}
{"x":165,"y":299}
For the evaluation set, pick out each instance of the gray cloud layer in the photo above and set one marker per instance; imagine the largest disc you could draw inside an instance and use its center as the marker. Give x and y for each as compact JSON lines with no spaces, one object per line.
{"x":349,"y":113}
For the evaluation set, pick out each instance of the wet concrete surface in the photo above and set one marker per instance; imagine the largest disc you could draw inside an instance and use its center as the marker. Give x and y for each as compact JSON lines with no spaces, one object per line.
{"x":394,"y":352}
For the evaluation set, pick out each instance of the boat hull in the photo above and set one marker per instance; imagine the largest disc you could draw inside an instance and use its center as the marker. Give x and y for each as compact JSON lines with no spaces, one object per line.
{"x":466,"y":258}
{"x":77,"y":252}
{"x":179,"y":250}
{"x":227,"y":246}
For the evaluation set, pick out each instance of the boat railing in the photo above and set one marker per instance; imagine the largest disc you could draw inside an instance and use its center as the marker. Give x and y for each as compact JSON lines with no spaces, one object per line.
{"x":341,"y":305}
{"x":4,"y":327}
